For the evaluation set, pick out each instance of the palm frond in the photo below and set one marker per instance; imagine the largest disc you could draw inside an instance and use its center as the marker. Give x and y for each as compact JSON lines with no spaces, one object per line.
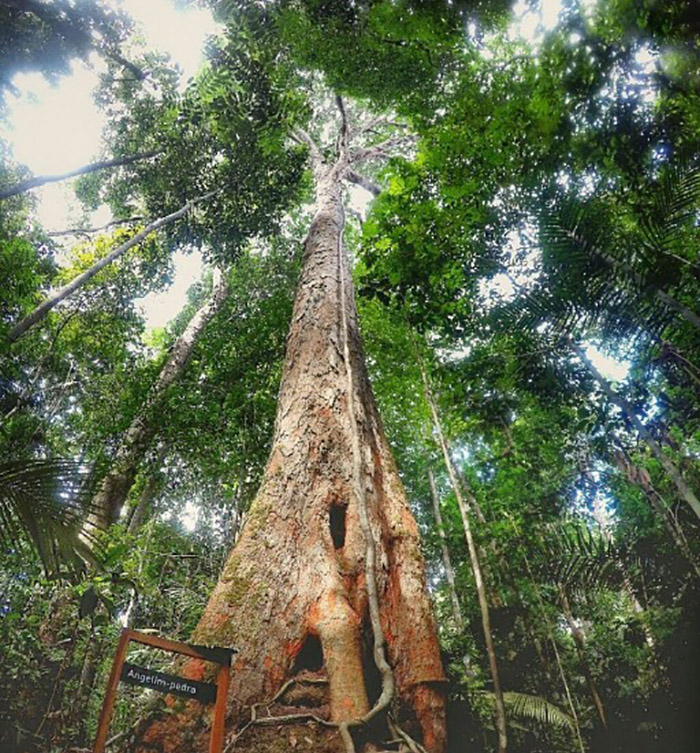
{"x":45,"y":502}
{"x":533,"y":708}
{"x":580,"y":559}
{"x":675,"y":199}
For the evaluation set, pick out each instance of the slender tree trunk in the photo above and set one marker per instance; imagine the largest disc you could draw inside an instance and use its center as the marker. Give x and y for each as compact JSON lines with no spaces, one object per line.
{"x":447,"y":564}
{"x":560,"y":665}
{"x":580,"y":643}
{"x":141,"y":510}
{"x":639,"y":477}
{"x":446,"y":559}
{"x":327,"y":578}
{"x":40,"y":180}
{"x":108,"y":501}
{"x":476,"y":567}
{"x":674,"y":473}
{"x":77,"y":282}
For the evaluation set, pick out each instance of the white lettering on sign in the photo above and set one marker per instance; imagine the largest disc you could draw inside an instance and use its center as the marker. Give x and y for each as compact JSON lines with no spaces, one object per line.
{"x":159,"y":682}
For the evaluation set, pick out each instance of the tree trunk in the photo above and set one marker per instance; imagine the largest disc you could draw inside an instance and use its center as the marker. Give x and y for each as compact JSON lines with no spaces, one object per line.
{"x":77,"y":282}
{"x":295,"y":596}
{"x":640,"y":477}
{"x":40,"y":180}
{"x":142,"y":508}
{"x":580,"y":643}
{"x":476,"y":568}
{"x":107,"y":502}
{"x":560,"y":665}
{"x":446,"y":559}
{"x":683,"y":489}
{"x":449,"y":570}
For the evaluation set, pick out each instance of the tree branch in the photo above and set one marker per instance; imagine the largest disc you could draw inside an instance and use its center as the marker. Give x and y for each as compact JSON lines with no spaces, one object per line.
{"x":302,"y":137}
{"x":344,"y":130}
{"x":363,"y":182}
{"x":381,"y":149}
{"x":40,"y":180}
{"x":61,"y":294}
{"x":91,"y":230}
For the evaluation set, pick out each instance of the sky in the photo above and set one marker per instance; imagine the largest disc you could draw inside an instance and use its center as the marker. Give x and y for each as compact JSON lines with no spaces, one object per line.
{"x":77,"y":124}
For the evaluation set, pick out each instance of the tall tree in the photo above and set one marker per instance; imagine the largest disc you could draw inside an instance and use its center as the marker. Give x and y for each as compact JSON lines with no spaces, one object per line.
{"x":114,"y":488}
{"x":329,"y":560}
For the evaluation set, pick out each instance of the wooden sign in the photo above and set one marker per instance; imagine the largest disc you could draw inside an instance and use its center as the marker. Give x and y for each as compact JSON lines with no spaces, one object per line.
{"x":204,"y":692}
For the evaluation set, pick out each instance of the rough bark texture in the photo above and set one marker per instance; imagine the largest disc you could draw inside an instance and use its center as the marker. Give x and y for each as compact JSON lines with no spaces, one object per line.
{"x":293,"y":596}
{"x":107,"y":502}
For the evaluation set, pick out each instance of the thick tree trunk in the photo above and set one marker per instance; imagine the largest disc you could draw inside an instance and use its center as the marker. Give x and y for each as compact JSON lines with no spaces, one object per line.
{"x":40,"y":180}
{"x":476,"y":568}
{"x":674,"y":473}
{"x":294,"y":596}
{"x":107,"y":502}
{"x":77,"y":282}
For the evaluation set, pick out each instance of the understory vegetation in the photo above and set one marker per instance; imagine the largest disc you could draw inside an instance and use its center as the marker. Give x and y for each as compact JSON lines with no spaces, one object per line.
{"x":522,"y":216}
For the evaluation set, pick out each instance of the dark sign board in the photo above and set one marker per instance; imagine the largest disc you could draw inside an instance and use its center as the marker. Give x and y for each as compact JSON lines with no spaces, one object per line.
{"x":204,"y":692}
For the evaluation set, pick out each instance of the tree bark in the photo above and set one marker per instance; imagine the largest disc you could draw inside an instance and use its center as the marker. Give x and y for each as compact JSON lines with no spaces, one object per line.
{"x":476,"y":567}
{"x":295,"y":596}
{"x":674,"y":473}
{"x":107,"y":502}
{"x":40,"y":180}
{"x":77,"y":282}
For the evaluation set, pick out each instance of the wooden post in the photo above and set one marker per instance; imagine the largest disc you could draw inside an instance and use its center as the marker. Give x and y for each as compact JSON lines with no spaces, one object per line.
{"x":216,"y":743}
{"x":222,"y":657}
{"x":108,"y":705}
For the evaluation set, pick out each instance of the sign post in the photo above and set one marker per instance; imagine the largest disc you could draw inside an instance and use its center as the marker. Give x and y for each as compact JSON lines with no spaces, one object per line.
{"x":204,"y":692}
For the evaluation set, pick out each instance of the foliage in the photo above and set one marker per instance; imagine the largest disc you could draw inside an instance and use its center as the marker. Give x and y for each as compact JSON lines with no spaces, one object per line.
{"x":545,"y":196}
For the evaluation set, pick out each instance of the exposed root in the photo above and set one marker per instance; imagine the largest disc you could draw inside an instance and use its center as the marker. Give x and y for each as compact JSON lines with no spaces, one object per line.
{"x":346,"y":737}
{"x":413,"y":745}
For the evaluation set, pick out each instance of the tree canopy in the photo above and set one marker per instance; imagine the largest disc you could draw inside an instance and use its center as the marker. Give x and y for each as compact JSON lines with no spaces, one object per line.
{"x":522,"y":208}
